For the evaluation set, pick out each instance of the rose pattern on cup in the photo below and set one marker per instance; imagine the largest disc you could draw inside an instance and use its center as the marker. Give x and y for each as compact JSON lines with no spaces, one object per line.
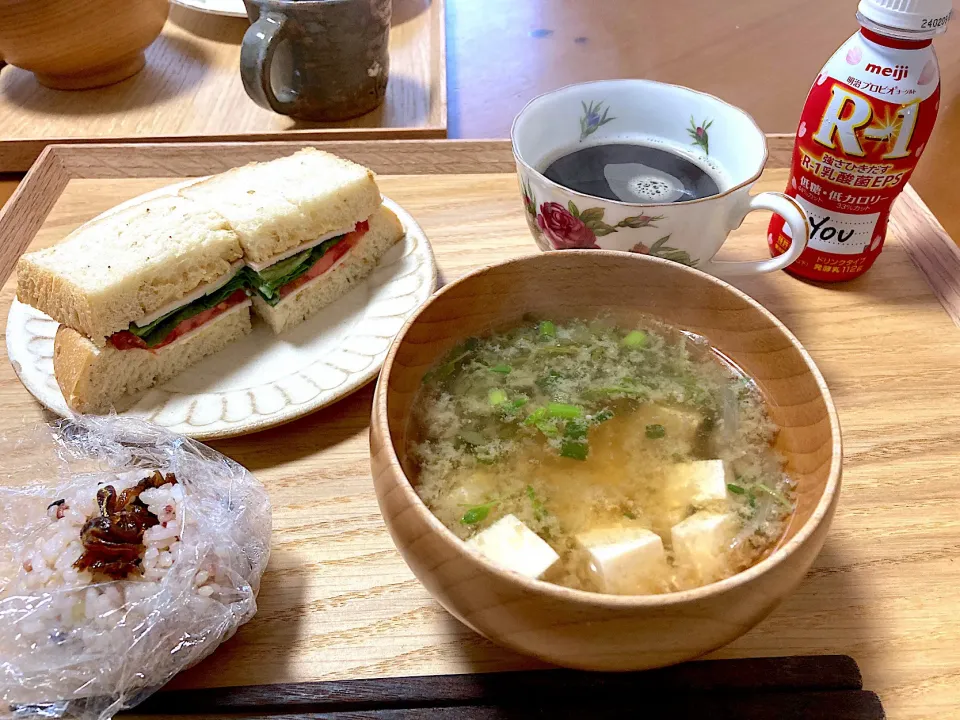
{"x":595,"y":116}
{"x":564,"y":229}
{"x":556,"y":227}
{"x":699,"y":134}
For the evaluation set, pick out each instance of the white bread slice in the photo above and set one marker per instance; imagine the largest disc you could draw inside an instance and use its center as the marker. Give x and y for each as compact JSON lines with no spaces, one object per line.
{"x":121,"y":268}
{"x":278,"y":205}
{"x":94,"y":380}
{"x":385,"y":230}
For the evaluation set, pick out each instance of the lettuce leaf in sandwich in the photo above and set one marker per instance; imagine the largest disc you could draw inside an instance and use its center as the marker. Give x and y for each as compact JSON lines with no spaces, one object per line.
{"x":267,"y":282}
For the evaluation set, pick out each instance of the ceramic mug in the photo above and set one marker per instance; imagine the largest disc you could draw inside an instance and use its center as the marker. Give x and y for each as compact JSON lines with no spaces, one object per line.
{"x":719,"y":138}
{"x":317,"y":59}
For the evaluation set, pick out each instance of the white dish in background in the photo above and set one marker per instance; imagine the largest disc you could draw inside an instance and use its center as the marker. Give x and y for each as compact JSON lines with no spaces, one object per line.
{"x":263,"y":379}
{"x":230,"y":8}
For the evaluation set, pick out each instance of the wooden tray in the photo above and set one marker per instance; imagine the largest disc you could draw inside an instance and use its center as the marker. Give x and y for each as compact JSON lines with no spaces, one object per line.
{"x":191,"y":90}
{"x":337,"y":601}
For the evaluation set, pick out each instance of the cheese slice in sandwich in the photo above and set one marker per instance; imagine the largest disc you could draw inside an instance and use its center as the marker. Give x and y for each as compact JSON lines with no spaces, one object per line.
{"x":140,"y":263}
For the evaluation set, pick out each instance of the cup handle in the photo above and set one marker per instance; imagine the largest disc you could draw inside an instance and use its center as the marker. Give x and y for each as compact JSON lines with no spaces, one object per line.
{"x":796,"y":219}
{"x":256,"y":57}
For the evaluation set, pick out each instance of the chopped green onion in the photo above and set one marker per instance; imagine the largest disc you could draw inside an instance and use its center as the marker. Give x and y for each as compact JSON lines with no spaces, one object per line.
{"x":735,"y":489}
{"x":773,"y":493}
{"x":548,"y":380}
{"x":536,"y":416}
{"x":497,"y":397}
{"x":548,"y":329}
{"x":655,"y":432}
{"x":538,"y":509}
{"x":751,"y":499}
{"x":564,"y":411}
{"x":629,"y":515}
{"x":539,"y":419}
{"x":502,"y":369}
{"x":520,"y":401}
{"x":548,"y":428}
{"x":476,"y":514}
{"x":636,"y":339}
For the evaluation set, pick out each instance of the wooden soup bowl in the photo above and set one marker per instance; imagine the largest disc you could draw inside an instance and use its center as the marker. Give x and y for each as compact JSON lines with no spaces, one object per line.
{"x":571,"y":627}
{"x":79,"y":44}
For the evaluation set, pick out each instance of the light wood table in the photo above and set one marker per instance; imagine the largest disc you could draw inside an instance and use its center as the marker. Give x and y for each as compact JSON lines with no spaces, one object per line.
{"x":757,"y":54}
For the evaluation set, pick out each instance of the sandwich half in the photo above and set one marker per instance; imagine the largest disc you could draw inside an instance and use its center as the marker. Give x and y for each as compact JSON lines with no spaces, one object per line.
{"x":311,"y":225}
{"x":95,"y":379}
{"x":144,"y":292}
{"x":292,"y":290}
{"x":140,"y":295}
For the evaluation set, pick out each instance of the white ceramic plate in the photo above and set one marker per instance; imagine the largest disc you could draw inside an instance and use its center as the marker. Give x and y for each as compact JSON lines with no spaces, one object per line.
{"x":231,"y":8}
{"x":263,"y":379}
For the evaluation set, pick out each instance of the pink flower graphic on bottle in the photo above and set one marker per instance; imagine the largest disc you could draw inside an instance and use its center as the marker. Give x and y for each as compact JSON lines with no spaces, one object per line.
{"x":854,"y":55}
{"x":928,"y":74}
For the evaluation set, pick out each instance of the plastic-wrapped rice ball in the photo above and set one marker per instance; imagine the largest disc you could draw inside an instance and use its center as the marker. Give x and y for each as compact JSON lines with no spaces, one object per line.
{"x":112,"y":582}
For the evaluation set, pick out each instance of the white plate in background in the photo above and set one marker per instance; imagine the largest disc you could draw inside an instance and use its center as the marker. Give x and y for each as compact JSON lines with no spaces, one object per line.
{"x":231,"y":8}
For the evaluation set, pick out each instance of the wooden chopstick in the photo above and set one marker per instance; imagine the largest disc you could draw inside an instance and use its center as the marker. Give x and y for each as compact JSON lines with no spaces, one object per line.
{"x":785,"y":687}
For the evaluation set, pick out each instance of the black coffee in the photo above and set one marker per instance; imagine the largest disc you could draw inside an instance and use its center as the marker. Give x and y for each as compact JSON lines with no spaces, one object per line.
{"x":632,"y":173}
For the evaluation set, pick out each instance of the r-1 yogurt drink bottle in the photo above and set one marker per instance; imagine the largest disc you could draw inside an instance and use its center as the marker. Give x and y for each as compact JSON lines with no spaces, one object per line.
{"x":863,"y":129}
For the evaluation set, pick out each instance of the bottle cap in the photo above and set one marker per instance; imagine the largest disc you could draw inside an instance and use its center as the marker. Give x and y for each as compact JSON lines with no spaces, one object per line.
{"x":924,"y":17}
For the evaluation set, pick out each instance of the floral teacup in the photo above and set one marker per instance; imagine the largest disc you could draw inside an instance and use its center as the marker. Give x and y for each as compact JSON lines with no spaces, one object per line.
{"x":717,"y":137}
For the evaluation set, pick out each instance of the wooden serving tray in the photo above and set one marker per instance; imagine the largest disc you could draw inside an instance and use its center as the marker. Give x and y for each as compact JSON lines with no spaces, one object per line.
{"x":338,"y":603}
{"x":191,"y":90}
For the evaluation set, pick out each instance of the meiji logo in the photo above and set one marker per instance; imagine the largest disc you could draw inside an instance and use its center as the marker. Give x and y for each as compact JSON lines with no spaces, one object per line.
{"x":897,"y":72}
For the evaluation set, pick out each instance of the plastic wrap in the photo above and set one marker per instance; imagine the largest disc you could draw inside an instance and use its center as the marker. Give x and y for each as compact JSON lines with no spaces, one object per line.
{"x":78,"y":644}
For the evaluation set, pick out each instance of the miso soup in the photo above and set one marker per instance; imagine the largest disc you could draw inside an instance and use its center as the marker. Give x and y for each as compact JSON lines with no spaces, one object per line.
{"x":625,"y":460}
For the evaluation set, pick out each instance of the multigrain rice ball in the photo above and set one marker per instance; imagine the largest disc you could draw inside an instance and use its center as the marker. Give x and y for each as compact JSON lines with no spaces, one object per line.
{"x":114,"y":580}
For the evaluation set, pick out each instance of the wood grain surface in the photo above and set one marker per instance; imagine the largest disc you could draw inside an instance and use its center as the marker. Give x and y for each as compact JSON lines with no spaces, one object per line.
{"x":191,"y":89}
{"x":337,"y":601}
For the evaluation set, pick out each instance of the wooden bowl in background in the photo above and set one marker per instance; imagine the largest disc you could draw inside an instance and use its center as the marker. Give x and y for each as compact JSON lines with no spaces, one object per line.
{"x":571,"y":627}
{"x":79,"y":44}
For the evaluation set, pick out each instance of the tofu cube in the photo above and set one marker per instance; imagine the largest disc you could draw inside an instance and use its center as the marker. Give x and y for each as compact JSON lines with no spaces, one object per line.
{"x":625,"y":560}
{"x":701,"y":483}
{"x":700,"y":543}
{"x":510,"y":543}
